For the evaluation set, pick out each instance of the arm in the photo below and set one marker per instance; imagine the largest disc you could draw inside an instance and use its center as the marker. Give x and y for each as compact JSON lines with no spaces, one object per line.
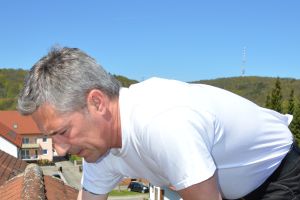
{"x":85,"y":195}
{"x":206,"y":190}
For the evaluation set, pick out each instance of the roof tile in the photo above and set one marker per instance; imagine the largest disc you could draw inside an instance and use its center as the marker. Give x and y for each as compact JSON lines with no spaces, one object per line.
{"x":23,"y":125}
{"x":10,"y":135}
{"x":10,"y":166}
{"x":33,"y":185}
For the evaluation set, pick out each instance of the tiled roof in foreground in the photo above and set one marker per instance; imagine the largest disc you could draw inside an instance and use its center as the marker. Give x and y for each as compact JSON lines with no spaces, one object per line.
{"x":33,"y":185}
{"x":10,"y":167}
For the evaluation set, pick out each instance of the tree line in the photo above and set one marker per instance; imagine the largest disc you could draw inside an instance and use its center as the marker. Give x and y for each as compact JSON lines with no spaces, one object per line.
{"x":274,"y":101}
{"x":283,"y":97}
{"x":12,"y":80}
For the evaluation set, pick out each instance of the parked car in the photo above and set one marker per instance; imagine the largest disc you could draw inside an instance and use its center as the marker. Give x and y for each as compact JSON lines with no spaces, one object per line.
{"x":56,"y":176}
{"x":138,"y":187}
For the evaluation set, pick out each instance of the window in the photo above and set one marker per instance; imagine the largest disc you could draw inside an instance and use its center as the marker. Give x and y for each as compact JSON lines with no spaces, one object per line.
{"x":25,"y":140}
{"x":44,"y":139}
{"x":45,"y":151}
{"x":25,"y":154}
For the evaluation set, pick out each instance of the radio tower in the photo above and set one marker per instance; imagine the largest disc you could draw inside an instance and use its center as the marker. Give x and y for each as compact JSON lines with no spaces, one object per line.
{"x":244,"y":62}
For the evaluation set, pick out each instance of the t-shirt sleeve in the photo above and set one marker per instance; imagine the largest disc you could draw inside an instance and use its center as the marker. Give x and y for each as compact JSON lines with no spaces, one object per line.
{"x":98,"y":178}
{"x":180,"y":141}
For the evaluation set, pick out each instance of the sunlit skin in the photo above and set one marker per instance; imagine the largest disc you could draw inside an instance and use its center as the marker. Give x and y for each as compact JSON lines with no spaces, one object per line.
{"x":89,"y":133}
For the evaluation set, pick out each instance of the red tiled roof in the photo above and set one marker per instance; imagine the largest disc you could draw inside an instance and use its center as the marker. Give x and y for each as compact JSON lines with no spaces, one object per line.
{"x":33,"y":185}
{"x":56,"y":189}
{"x":10,"y":166}
{"x":23,"y":125}
{"x":10,"y":135}
{"x":11,"y":189}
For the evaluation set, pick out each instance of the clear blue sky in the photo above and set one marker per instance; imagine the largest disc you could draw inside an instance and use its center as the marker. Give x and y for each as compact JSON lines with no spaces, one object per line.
{"x":185,"y":40}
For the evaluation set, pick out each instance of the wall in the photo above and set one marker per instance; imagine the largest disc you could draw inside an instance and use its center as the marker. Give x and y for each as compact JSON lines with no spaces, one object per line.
{"x":8,"y":147}
{"x":45,"y":145}
{"x":157,"y":193}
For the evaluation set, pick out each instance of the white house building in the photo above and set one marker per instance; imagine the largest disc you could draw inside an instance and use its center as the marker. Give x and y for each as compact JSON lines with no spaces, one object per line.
{"x":10,"y":141}
{"x":165,"y":193}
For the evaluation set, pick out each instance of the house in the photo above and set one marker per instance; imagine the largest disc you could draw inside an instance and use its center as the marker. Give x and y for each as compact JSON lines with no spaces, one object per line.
{"x":10,"y":141}
{"x":34,"y":145}
{"x":165,"y":193}
{"x":20,"y":180}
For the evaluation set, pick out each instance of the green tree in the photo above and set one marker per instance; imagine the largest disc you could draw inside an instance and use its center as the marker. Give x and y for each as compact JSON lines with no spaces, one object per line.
{"x":275,"y":101}
{"x":291,"y":103}
{"x":268,"y":101}
{"x":295,"y":125}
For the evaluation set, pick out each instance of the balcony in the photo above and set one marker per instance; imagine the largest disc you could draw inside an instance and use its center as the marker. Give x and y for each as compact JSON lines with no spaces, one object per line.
{"x":30,"y":146}
{"x":29,"y":157}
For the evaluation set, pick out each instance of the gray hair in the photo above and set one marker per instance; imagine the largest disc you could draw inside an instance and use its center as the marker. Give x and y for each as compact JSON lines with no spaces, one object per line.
{"x":63,"y":78}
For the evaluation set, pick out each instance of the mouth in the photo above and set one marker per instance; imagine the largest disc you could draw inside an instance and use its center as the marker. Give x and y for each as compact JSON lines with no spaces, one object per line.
{"x":80,"y":152}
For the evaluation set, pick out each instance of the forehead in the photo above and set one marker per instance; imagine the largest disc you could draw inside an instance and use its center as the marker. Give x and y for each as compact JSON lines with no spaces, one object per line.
{"x":48,"y":119}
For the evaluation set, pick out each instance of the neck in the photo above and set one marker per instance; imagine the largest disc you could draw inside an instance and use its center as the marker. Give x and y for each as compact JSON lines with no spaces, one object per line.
{"x":116,"y":124}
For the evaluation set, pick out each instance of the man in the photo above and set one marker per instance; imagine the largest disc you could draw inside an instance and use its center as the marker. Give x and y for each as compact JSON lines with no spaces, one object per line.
{"x":205,"y":142}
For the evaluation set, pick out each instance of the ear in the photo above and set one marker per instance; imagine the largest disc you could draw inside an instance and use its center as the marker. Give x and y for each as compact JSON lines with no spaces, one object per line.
{"x":96,"y":101}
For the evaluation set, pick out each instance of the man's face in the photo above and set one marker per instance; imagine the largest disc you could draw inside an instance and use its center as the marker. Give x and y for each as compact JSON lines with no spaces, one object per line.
{"x":77,"y":133}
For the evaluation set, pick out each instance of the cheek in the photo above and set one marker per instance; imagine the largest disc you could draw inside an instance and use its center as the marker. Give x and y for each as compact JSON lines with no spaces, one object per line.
{"x":59,"y":139}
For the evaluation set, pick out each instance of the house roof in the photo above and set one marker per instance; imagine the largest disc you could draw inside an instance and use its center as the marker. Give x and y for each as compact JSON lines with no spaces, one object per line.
{"x":10,"y":135}
{"x":10,"y":166}
{"x":33,"y":185}
{"x":23,"y":125}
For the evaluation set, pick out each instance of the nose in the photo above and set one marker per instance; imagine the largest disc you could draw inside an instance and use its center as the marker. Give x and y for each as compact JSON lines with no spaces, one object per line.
{"x":60,"y":145}
{"x":62,"y":149}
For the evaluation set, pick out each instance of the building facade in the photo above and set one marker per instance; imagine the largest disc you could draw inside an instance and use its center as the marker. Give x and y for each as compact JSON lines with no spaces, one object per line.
{"x":34,"y":145}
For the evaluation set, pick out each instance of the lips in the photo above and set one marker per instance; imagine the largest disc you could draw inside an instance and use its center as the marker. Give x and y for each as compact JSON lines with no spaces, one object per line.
{"x":79,"y":153}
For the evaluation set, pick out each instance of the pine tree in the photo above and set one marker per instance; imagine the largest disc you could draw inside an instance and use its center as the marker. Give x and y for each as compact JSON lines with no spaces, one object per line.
{"x":268,"y":102}
{"x":295,"y":125}
{"x":291,"y":104}
{"x":276,"y":97}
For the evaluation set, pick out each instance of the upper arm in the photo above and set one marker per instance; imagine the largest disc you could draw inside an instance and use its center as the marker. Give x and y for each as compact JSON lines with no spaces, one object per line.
{"x":100,"y":177}
{"x":206,"y":190}
{"x":85,"y":195}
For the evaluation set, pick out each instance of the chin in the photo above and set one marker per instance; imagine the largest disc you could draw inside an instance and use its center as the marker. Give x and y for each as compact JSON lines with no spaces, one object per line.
{"x":92,"y":158}
{"x":95,"y":158}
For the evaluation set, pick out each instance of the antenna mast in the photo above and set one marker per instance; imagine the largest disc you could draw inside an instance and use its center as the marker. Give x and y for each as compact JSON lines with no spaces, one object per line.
{"x":244,"y":61}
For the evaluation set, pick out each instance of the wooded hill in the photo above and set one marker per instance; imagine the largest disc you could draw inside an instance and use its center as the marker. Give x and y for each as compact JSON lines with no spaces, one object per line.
{"x":253,"y":88}
{"x":257,"y":88}
{"x":11,"y":82}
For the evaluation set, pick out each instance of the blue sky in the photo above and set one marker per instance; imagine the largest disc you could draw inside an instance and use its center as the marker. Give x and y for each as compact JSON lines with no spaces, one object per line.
{"x":185,"y":40}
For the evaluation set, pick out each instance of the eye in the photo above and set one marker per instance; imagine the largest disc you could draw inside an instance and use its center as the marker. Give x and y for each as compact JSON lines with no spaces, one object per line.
{"x":63,"y":132}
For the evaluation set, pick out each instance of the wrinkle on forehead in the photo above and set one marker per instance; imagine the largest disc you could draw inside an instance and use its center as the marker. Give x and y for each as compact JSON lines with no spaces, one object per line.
{"x":47,"y":119}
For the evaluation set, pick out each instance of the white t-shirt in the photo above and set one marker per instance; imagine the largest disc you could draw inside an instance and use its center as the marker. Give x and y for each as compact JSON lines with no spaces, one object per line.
{"x":180,"y":134}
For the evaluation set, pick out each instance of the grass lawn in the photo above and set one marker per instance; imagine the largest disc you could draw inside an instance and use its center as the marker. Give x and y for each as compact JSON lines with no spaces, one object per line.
{"x":122,"y":193}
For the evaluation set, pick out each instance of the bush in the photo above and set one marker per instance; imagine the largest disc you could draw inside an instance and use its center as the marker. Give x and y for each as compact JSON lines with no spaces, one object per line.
{"x":74,"y":157}
{"x":45,"y":162}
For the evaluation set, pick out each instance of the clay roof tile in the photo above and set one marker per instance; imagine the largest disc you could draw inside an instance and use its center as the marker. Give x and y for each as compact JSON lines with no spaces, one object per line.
{"x":23,"y":125}
{"x":33,"y":185}
{"x":10,"y":166}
